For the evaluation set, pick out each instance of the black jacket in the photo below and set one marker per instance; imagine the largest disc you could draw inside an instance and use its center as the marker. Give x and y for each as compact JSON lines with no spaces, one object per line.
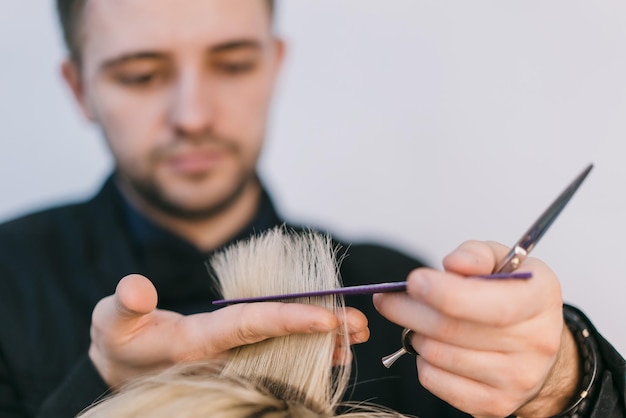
{"x":57,"y":264}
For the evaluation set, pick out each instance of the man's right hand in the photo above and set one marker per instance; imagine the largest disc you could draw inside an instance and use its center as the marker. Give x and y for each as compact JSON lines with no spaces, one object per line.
{"x":130,"y":337}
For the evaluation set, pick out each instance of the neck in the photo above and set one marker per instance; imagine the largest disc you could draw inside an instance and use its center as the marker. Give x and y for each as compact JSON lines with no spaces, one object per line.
{"x":212,"y":231}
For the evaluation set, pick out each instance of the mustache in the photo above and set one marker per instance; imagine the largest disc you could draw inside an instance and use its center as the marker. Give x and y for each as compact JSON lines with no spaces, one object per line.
{"x":182,"y":145}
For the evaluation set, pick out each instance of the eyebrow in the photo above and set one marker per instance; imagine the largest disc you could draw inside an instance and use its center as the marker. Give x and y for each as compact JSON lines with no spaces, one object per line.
{"x":147,"y":55}
{"x":237,"y":45}
{"x":131,"y":57}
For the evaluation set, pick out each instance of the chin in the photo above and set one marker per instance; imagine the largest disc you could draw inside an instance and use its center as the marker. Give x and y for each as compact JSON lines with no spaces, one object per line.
{"x":200,"y":202}
{"x":190,"y":197}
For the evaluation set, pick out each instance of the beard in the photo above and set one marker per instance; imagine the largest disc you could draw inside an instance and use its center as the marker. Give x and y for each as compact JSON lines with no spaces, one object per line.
{"x":153,"y":193}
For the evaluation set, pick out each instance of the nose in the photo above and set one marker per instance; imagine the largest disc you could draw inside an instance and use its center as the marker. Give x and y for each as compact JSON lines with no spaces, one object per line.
{"x":191,"y":107}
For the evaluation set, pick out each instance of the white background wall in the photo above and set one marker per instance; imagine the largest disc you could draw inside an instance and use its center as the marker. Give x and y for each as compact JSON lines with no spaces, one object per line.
{"x":418,"y":123}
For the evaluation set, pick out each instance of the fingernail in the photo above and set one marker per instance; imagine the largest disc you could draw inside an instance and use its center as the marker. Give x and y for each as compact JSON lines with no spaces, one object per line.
{"x":326,"y":326}
{"x":320,"y":328}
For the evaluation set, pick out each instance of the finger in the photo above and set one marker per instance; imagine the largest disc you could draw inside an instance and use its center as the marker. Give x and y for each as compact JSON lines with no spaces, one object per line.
{"x":470,"y":396}
{"x":249,"y":323}
{"x":495,"y":302}
{"x":123,"y":341}
{"x":354,"y":319}
{"x":360,"y":337}
{"x":472,"y":364}
{"x":475,"y":257}
{"x":135,"y":296}
{"x":423,"y":319}
{"x":355,"y":323}
{"x":493,"y":368}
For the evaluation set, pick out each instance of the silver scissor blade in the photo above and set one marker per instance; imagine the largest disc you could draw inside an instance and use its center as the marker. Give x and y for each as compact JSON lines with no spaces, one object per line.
{"x":528,"y":241}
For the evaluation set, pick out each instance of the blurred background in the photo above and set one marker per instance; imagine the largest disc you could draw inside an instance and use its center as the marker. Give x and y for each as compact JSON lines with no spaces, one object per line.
{"x":416,"y":123}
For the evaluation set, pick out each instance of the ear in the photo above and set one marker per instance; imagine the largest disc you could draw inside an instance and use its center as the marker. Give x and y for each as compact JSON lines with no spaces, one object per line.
{"x":279,"y":55}
{"x":71,"y":74}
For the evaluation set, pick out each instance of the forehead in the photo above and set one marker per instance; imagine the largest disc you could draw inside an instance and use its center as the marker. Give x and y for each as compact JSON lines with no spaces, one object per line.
{"x":113,"y":27}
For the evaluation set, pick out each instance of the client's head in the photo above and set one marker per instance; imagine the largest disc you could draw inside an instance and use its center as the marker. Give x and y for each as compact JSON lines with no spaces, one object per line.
{"x":282,"y":377}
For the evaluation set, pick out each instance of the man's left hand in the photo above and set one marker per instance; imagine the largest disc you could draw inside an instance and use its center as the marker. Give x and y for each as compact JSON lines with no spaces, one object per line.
{"x":488,"y":347}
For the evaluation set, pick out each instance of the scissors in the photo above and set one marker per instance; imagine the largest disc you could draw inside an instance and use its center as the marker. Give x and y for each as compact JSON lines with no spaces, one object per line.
{"x":516,"y":255}
{"x":504,"y":269}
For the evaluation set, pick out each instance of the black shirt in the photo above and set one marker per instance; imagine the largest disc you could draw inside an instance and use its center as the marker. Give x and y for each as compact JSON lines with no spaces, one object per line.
{"x":57,"y":264}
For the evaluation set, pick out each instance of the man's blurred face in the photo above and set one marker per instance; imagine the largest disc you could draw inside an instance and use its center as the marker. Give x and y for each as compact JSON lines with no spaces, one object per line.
{"x":181,"y":90}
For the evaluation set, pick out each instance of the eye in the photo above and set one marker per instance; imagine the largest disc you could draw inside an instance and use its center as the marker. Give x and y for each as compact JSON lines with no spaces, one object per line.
{"x":235,"y":67}
{"x":138,"y":79}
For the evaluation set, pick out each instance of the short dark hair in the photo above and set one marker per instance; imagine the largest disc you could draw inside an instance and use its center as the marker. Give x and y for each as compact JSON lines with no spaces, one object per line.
{"x":70,"y":11}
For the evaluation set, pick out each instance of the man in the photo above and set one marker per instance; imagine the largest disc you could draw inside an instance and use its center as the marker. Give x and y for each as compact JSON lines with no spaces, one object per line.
{"x":181,"y":92}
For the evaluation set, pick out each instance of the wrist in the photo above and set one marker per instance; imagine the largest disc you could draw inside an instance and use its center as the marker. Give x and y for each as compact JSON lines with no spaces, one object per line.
{"x":565,"y":400}
{"x":589,"y":364}
{"x":560,"y":385}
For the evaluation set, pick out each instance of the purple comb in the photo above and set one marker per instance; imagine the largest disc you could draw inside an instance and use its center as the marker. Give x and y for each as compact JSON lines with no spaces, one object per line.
{"x":366,"y":289}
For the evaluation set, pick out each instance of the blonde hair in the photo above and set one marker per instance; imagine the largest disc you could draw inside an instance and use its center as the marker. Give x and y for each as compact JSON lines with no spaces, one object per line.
{"x":283,"y":377}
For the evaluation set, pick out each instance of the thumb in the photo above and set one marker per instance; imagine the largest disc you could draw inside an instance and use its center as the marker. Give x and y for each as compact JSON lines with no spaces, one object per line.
{"x":116,"y":321}
{"x":474,"y":258}
{"x":135,"y":296}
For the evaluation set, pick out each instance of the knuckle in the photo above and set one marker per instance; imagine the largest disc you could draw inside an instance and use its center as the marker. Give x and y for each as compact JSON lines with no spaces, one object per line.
{"x":243,"y":334}
{"x":431,"y":352}
{"x":527,"y":376}
{"x":245,"y":330}
{"x":548,"y":346}
{"x":525,"y":380}
{"x":548,"y":342}
{"x":506,"y":316}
